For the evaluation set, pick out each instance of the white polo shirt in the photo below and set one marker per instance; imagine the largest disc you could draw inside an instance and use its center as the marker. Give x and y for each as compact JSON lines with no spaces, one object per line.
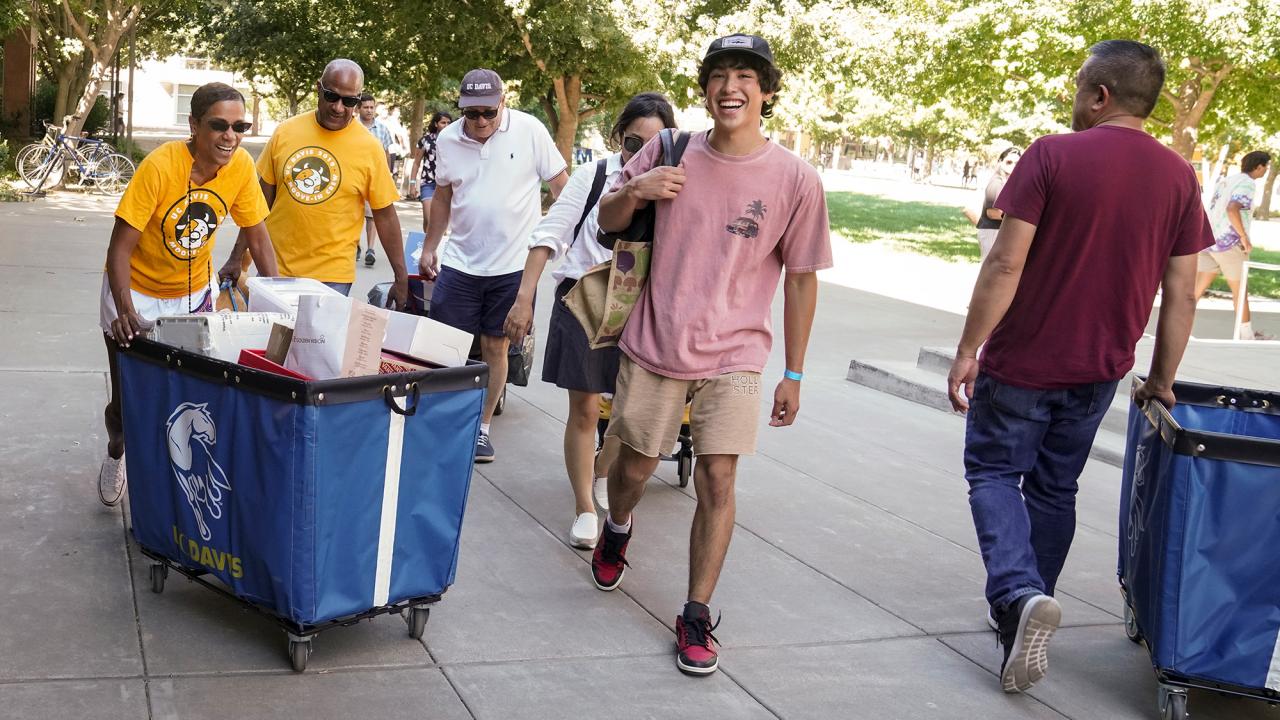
{"x":496,"y":184}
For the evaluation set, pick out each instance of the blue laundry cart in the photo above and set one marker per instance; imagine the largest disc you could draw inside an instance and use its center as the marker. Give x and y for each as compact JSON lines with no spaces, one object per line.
{"x":317,"y":503}
{"x":1200,"y":541}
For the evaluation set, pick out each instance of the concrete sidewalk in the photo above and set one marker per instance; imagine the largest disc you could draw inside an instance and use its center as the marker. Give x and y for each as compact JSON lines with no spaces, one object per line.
{"x":853,"y":588}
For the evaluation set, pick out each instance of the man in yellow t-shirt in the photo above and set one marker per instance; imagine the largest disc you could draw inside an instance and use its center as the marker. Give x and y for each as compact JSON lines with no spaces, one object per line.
{"x":317,"y":172}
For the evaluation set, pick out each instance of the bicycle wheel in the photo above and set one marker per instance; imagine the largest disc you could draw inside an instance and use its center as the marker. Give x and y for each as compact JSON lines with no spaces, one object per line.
{"x":42,"y":167}
{"x":112,"y":174}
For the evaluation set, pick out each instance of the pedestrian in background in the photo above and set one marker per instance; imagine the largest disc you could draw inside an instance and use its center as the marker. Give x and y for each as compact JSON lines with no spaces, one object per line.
{"x":987,"y":219}
{"x":1231,"y":213}
{"x":1095,"y":221}
{"x":369,"y":118}
{"x":424,"y":164}
{"x":159,"y":259}
{"x":569,"y":230}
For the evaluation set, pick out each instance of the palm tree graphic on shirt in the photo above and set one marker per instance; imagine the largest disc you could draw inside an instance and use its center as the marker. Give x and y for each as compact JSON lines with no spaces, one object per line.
{"x":746,"y":225}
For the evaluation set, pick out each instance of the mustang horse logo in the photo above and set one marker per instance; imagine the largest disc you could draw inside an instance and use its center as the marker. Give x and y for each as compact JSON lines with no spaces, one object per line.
{"x":191,"y":435}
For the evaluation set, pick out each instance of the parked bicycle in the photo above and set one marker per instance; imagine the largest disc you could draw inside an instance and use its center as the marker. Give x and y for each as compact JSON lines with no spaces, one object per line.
{"x":92,"y":162}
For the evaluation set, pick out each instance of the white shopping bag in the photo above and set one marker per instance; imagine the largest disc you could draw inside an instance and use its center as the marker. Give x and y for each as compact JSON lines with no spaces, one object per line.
{"x":336,"y":337}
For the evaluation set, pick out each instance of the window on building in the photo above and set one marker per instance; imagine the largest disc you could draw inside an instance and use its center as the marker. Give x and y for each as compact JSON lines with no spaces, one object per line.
{"x":195,"y":63}
{"x":183,"y":103}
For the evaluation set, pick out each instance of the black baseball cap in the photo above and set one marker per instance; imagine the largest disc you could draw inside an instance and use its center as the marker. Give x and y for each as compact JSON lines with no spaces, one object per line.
{"x":480,"y":88}
{"x":738,"y":42}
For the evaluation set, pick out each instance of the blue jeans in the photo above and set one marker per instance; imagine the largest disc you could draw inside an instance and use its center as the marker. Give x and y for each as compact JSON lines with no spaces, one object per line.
{"x":1024,"y":450}
{"x":343,"y":288}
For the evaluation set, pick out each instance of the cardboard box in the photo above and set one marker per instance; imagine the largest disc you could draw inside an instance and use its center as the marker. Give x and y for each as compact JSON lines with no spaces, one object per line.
{"x":393,"y":363}
{"x":422,"y":338}
{"x":278,"y":343}
{"x":336,"y":337}
{"x":257,"y":359}
{"x":280,"y":294}
{"x":221,"y":335}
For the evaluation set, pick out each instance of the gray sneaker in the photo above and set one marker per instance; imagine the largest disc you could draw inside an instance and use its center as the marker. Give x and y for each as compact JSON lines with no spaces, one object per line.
{"x":111,"y":481}
{"x":1026,"y":627}
{"x":484,"y":449}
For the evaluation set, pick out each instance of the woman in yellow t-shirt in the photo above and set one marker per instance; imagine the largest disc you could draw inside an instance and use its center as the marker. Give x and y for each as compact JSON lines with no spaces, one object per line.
{"x":159,"y":260}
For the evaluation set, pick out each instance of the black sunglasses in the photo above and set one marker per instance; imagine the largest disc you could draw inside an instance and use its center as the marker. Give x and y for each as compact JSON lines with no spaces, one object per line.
{"x":632,"y":143}
{"x":220,"y":125}
{"x":477,"y":114}
{"x":333,"y":97}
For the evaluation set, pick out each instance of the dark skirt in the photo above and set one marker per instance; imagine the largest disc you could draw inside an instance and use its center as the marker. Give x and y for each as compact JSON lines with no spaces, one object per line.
{"x":569,"y":362}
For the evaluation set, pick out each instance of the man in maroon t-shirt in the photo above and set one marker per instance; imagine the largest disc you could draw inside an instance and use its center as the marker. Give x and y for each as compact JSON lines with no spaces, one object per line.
{"x":1095,"y":222}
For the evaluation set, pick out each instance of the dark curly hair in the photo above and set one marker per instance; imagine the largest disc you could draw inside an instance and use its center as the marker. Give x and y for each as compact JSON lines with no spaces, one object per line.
{"x":770,"y":77}
{"x":209,"y":94}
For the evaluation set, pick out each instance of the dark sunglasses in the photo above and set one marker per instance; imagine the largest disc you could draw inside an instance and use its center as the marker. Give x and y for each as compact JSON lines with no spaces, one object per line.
{"x":632,"y":144}
{"x":220,"y":125}
{"x":333,"y":97}
{"x":477,"y":114}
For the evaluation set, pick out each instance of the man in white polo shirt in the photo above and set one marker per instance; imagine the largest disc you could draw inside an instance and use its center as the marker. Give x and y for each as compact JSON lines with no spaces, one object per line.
{"x":489,"y":173}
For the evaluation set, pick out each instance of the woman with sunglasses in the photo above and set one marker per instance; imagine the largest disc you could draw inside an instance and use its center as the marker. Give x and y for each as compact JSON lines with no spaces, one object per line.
{"x":159,"y":259}
{"x":569,"y":230}
{"x":989,"y":218}
{"x":425,"y":158}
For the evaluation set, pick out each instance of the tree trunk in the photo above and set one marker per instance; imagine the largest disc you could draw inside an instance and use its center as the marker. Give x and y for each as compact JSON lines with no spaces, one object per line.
{"x":568,"y":94}
{"x":415,"y":122}
{"x":1264,"y":207}
{"x":1190,"y":102}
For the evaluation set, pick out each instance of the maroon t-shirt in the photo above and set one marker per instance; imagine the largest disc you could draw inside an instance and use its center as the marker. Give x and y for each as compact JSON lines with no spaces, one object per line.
{"x":1110,"y":206}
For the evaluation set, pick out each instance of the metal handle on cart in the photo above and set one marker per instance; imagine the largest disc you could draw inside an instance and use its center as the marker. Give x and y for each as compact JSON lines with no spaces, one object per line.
{"x":409,"y":409}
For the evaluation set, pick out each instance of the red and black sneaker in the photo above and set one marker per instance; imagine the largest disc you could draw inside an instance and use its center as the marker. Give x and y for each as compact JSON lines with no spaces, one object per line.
{"x":609,"y":561}
{"x":695,"y":654}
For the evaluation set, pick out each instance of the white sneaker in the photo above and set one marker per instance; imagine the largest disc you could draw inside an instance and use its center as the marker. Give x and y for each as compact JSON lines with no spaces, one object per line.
{"x":600,"y":488}
{"x":584,"y":531}
{"x":111,"y":480}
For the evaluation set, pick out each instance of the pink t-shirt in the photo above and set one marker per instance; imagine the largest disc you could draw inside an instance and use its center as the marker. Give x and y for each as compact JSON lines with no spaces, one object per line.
{"x":720,"y":250}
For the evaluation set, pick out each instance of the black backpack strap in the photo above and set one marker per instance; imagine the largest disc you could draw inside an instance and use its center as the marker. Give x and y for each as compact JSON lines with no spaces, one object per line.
{"x":668,"y":146}
{"x":678,"y":145}
{"x":597,"y":187}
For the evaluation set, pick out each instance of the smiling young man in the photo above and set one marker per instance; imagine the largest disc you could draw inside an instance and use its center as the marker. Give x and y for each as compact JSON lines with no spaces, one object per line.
{"x":1095,"y":221}
{"x":317,"y":171}
{"x":489,"y":173}
{"x":737,"y":211}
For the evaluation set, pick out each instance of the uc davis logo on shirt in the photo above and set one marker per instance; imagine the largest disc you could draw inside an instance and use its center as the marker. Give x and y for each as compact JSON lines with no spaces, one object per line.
{"x":190,"y":222}
{"x":312,"y":175}
{"x":192,"y":435}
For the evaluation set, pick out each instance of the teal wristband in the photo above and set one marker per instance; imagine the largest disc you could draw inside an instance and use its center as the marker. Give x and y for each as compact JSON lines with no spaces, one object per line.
{"x":793,"y":375}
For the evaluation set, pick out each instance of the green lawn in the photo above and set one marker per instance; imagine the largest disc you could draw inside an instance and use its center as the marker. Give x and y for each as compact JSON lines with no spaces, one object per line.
{"x":936,"y":230}
{"x":941,"y":231}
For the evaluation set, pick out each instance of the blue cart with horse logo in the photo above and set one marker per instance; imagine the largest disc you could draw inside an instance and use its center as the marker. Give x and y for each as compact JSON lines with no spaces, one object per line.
{"x":317,"y":503}
{"x":1199,"y":529}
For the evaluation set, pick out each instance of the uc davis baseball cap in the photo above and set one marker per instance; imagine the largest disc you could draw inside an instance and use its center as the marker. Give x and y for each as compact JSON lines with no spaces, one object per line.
{"x":738,"y":42}
{"x":480,"y":87}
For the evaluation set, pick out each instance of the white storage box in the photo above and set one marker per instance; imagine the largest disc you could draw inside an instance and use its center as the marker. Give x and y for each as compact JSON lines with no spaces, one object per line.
{"x":221,"y":335}
{"x":426,"y":339}
{"x":280,"y":294}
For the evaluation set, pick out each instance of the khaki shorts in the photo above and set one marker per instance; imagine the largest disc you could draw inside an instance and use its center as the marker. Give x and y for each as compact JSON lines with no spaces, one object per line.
{"x":648,"y":410}
{"x":1230,"y":262}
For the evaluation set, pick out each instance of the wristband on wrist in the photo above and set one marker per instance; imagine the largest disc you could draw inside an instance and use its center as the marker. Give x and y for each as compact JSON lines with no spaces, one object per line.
{"x":793,"y":375}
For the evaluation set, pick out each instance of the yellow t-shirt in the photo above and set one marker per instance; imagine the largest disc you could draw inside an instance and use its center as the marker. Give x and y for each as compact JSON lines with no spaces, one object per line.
{"x":323,"y":179}
{"x":173,"y":255}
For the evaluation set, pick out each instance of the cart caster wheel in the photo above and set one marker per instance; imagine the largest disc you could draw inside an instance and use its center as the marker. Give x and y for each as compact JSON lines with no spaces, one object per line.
{"x":684,"y":468}
{"x":1173,"y":703}
{"x":1131,"y":630}
{"x":417,"y":620}
{"x":502,"y":402}
{"x":299,"y":653}
{"x":158,"y":574}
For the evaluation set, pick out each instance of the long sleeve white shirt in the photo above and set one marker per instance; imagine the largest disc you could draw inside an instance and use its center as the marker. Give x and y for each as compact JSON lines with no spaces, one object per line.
{"x":555,"y":230}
